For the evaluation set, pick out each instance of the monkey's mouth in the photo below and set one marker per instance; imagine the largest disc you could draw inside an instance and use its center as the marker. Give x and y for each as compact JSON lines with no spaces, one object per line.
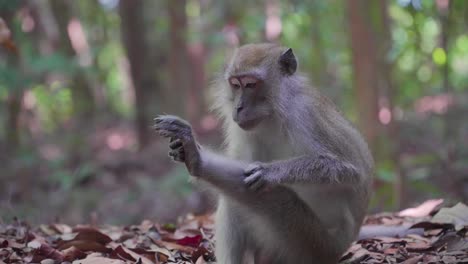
{"x":248,"y":124}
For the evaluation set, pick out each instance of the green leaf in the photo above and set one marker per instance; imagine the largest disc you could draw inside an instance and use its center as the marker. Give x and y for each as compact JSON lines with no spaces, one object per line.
{"x":439,"y":56}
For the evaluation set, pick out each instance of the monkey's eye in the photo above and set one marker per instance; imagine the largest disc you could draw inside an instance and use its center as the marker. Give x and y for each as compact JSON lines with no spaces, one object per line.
{"x":250,"y":81}
{"x":251,"y":85}
{"x":235,"y":83}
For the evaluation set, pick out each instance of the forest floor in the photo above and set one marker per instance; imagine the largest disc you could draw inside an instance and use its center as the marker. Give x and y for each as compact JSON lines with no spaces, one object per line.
{"x":427,"y":234}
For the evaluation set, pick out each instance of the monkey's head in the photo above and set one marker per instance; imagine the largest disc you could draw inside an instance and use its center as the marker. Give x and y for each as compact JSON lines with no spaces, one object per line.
{"x":254,"y":76}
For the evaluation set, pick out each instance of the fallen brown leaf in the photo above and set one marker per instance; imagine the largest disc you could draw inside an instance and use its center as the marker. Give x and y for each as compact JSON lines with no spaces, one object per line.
{"x":422,"y":210}
{"x":85,"y":245}
{"x":191,"y":242}
{"x":72,"y":253}
{"x":457,"y":215}
{"x":97,"y":259}
{"x":91,"y":234}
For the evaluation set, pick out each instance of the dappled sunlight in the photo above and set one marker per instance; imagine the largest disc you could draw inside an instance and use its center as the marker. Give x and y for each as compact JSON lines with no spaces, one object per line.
{"x":443,"y":5}
{"x":5,"y":33}
{"x":116,"y":138}
{"x":273,"y":25}
{"x":27,"y":23}
{"x":437,"y":104}
{"x":385,"y":115}
{"x":51,"y":152}
{"x":29,"y":101}
{"x":127,"y":93}
{"x":77,"y":36}
{"x":115,"y":141}
{"x":231,"y":33}
{"x":209,"y":122}
{"x":79,"y":42}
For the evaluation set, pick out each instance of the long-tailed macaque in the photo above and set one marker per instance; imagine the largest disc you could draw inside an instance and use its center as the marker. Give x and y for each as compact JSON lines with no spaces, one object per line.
{"x":294,"y":183}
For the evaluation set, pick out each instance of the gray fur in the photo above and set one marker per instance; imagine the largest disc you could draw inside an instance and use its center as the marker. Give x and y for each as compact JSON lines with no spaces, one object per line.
{"x":296,"y":187}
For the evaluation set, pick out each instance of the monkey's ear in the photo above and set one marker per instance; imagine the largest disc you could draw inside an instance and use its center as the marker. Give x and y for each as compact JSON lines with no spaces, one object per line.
{"x":288,"y":62}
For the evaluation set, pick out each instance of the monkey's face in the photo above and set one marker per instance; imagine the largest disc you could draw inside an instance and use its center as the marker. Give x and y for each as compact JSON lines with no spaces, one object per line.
{"x":255,"y":75}
{"x":250,"y":105}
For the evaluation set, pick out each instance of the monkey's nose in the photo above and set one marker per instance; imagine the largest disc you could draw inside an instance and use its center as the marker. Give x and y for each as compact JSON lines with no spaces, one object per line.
{"x":239,"y":108}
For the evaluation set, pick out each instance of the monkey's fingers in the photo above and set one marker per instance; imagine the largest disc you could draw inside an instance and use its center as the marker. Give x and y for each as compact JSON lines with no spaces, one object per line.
{"x":166,"y":127}
{"x":175,"y":152}
{"x":172,"y":126}
{"x":177,"y":155}
{"x":170,"y":119}
{"x":252,"y":168}
{"x":255,"y":182}
{"x":179,"y":158}
{"x":173,"y":131}
{"x":165,"y":133}
{"x":175,"y":143}
{"x":259,"y":186}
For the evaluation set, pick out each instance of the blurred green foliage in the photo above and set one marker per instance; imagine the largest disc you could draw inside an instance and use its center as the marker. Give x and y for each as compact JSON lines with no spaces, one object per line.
{"x":433,"y":144}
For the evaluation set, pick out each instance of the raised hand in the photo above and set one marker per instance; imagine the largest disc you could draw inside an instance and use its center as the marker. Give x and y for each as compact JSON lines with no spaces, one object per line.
{"x":183,"y":145}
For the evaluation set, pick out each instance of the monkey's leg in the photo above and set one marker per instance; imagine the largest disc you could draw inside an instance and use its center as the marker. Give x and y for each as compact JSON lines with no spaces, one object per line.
{"x":262,"y":257}
{"x":231,"y":234}
{"x":297,"y":227}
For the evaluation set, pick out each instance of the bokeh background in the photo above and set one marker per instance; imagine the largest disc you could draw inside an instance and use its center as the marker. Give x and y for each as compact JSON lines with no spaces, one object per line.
{"x":81,"y":81}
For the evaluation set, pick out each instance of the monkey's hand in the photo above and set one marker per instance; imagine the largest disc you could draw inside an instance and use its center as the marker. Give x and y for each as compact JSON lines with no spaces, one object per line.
{"x":259,"y":176}
{"x":184,"y":147}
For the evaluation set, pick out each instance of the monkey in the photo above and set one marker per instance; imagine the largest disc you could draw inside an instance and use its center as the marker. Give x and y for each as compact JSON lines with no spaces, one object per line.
{"x":295,"y":180}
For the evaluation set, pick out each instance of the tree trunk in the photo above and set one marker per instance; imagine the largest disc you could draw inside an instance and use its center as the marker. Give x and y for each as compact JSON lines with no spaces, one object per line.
{"x":445,"y":21}
{"x":363,"y":51}
{"x":388,"y":93}
{"x":196,"y":104}
{"x":14,"y":98}
{"x":371,"y":43}
{"x":134,"y":30}
{"x":319,"y":61}
{"x":179,"y":61}
{"x":81,"y":88}
{"x":13,"y":105}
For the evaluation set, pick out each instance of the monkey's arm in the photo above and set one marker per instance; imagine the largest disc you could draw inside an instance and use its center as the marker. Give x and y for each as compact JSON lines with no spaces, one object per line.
{"x":322,"y":169}
{"x":224,"y":173}
{"x":319,"y":169}
{"x":218,"y":170}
